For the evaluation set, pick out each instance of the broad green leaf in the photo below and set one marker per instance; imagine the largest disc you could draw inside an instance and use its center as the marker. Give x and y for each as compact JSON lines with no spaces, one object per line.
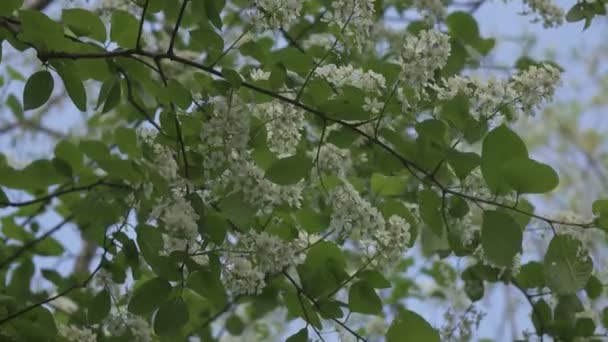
{"x":323,"y":270}
{"x":289,"y":170}
{"x":500,"y":146}
{"x":171,"y":316}
{"x":40,"y":30}
{"x":531,"y":275}
{"x":234,"y":325}
{"x":501,"y":238}
{"x":541,"y":316}
{"x":49,"y":247}
{"x":463,"y":162}
{"x":363,"y":298}
{"x":37,"y":90}
{"x":410,"y":327}
{"x":73,"y":85}
{"x":463,"y":26}
{"x":239,"y":212}
{"x":374,"y":278}
{"x":300,"y":336}
{"x":233,"y":77}
{"x":7,"y":7}
{"x":567,"y":265}
{"x":149,"y":296}
{"x":431,"y":210}
{"x":600,"y":210}
{"x":208,"y":285}
{"x":124,"y":29}
{"x":99,"y":307}
{"x":382,"y":185}
{"x":300,"y":306}
{"x":529,"y":177}
{"x":84,"y":23}
{"x":113,"y":97}
{"x":576,"y":13}
{"x":294,"y":60}
{"x":594,"y":287}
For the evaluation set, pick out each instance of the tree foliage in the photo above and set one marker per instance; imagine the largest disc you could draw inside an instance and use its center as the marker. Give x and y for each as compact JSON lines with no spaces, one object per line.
{"x":250,"y":163}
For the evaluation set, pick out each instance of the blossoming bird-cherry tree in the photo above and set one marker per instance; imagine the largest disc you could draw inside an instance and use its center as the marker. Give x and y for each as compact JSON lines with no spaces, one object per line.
{"x":273,"y":169}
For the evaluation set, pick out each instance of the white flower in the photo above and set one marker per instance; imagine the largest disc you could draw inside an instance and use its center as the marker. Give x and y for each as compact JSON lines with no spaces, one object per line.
{"x":535,"y":85}
{"x":73,"y":333}
{"x":431,"y":10}
{"x":421,"y":55}
{"x":332,"y":160}
{"x":118,"y":324}
{"x":269,"y":253}
{"x":164,"y":162}
{"x":283,"y":124}
{"x":277,"y":14}
{"x":550,"y":14}
{"x":179,"y":218}
{"x":259,"y":75}
{"x":340,"y":76}
{"x":373,"y":105}
{"x":354,"y":17}
{"x":240,"y":277}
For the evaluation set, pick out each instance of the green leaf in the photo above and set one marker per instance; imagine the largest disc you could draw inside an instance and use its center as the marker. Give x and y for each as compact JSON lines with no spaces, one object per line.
{"x":234,"y":325}
{"x":300,"y":336}
{"x":375,"y":279}
{"x":541,"y":316}
{"x":576,"y":13}
{"x":37,"y":90}
{"x":531,"y":275}
{"x":113,"y":97}
{"x":84,"y":23}
{"x":294,"y":60}
{"x":3,"y":197}
{"x":289,"y":170}
{"x":463,"y":162}
{"x":73,"y":85}
{"x":235,"y":209}
{"x":500,"y":146}
{"x":300,"y":306}
{"x":594,"y":288}
{"x":382,"y":185}
{"x":501,"y":237}
{"x":233,"y":77}
{"x":124,"y":29}
{"x":430,"y":210}
{"x":149,"y":296}
{"x":463,"y":26}
{"x":323,"y":270}
{"x":567,"y":266}
{"x":528,"y":176}
{"x":362,"y":298}
{"x":600,"y":209}
{"x":208,"y":285}
{"x":171,"y":316}
{"x":7,"y":7}
{"x":410,"y":327}
{"x":99,"y":307}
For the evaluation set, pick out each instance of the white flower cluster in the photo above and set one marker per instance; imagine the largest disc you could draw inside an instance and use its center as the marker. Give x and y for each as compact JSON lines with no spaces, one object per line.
{"x":356,"y":218}
{"x":259,"y":75}
{"x":277,"y":14}
{"x":240,"y":277}
{"x":534,"y":86}
{"x":432,"y":11}
{"x":179,"y":218}
{"x":73,"y":333}
{"x":421,"y":56}
{"x":164,"y":162}
{"x":547,"y":11}
{"x":256,"y":254}
{"x":245,"y":176}
{"x":118,"y":324}
{"x":224,"y":132}
{"x":324,"y":40}
{"x":332,"y":160}
{"x":283,"y":123}
{"x":354,"y":17}
{"x":340,"y":76}
{"x":485,"y":96}
{"x":528,"y":90}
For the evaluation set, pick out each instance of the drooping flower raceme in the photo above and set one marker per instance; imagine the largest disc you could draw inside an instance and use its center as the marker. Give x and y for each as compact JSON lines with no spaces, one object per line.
{"x":255,"y":255}
{"x":353,"y":17}
{"x":332,"y":160}
{"x":73,"y":333}
{"x":535,"y":86}
{"x":179,"y":218}
{"x":355,"y":218}
{"x":283,"y":123}
{"x":547,"y":11}
{"x":421,"y":55}
{"x":119,"y":324}
{"x":277,"y":14}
